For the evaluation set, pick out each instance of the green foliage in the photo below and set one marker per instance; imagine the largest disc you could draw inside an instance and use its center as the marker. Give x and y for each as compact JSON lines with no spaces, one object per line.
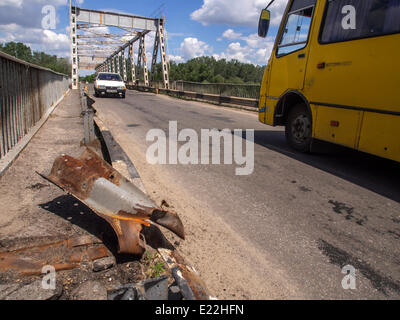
{"x":210,"y":70}
{"x":90,"y":78}
{"x":23,"y":52}
{"x":154,"y":265}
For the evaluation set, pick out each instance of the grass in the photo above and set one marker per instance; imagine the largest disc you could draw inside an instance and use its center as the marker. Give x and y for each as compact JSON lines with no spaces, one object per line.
{"x":154,"y":265}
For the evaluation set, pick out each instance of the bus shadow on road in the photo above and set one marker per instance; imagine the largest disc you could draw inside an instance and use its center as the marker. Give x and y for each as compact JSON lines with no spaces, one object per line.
{"x":376,"y":174}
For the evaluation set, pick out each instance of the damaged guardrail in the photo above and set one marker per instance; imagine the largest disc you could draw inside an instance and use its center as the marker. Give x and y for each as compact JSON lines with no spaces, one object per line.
{"x":115,"y":199}
{"x":219,"y":99}
{"x":130,"y":212}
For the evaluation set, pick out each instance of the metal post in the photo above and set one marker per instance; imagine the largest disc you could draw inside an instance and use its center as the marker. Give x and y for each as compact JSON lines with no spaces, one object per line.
{"x":164,"y":62}
{"x":88,"y":123}
{"x":124,"y":66}
{"x":74,"y":49}
{"x":155,"y":54}
{"x":142,"y":53}
{"x":119,"y":63}
{"x":132,"y":59}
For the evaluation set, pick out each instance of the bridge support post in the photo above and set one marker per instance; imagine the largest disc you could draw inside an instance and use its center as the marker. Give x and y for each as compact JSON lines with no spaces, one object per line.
{"x":142,"y":56}
{"x":74,"y":48}
{"x":124,"y":66}
{"x":159,"y":42}
{"x":132,"y":60}
{"x":164,"y":62}
{"x":118,"y":63}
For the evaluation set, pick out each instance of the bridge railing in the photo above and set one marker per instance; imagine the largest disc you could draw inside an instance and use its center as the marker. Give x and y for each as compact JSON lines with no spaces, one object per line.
{"x":28,"y":94}
{"x":251,"y":91}
{"x":220,"y":93}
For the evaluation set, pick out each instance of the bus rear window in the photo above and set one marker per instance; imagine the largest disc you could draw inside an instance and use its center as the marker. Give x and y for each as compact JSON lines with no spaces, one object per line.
{"x":356,"y":19}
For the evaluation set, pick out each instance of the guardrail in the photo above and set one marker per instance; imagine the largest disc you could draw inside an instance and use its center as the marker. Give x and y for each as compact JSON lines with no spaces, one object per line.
{"x":215,"y":98}
{"x":250,"y":91}
{"x":27,"y":95}
{"x":88,"y":114}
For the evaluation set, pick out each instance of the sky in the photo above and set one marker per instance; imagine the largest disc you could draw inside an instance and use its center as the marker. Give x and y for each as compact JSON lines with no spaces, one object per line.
{"x":220,"y":28}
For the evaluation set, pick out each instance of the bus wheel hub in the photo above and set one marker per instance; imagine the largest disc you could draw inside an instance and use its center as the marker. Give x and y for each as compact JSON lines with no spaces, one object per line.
{"x":300,"y":128}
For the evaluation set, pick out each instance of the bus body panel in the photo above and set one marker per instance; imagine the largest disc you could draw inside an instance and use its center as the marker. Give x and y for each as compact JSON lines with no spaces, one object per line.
{"x":346,"y":128}
{"x":380,"y":135}
{"x":352,"y":88}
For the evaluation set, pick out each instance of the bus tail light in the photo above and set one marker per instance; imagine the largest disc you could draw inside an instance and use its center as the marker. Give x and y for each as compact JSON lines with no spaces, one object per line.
{"x":334,"y":123}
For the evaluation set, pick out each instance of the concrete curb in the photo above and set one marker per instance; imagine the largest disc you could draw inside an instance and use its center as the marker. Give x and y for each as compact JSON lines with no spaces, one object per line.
{"x":13,"y":154}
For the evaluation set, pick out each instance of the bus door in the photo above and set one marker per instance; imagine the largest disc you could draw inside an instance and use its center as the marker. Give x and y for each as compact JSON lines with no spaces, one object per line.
{"x":290,"y":58}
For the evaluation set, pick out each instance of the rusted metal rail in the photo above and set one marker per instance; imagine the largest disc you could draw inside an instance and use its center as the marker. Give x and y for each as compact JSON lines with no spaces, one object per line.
{"x":111,"y":196}
{"x":62,"y":255}
{"x":27,"y":93}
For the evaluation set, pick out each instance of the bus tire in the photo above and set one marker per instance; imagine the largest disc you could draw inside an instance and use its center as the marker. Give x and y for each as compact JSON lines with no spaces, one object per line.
{"x":299,"y":128}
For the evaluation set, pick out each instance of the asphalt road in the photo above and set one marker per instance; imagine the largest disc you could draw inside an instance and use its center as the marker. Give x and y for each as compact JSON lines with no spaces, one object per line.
{"x":291,"y":226}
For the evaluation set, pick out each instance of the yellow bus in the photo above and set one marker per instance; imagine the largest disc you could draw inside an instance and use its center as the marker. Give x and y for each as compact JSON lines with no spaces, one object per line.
{"x":334,"y":75}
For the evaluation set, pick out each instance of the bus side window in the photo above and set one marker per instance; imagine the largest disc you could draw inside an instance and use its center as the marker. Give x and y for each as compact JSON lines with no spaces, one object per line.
{"x":295,"y":34}
{"x":372,"y":18}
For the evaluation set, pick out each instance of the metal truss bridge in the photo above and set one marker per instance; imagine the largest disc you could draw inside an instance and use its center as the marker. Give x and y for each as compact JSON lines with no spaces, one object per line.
{"x":93,"y":46}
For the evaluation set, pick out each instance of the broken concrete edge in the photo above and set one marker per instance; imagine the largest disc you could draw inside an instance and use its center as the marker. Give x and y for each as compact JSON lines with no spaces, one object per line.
{"x":13,"y":154}
{"x":186,"y":277}
{"x":117,"y":155}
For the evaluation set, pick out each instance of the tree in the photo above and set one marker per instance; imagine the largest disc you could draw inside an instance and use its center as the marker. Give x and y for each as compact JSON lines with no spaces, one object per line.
{"x":23,"y":52}
{"x":214,"y":71}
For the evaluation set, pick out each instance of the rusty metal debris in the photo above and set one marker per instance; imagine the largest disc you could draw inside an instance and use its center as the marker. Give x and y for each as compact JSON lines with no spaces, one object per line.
{"x":62,"y":255}
{"x":186,"y":277}
{"x":103,"y":189}
{"x":151,"y":289}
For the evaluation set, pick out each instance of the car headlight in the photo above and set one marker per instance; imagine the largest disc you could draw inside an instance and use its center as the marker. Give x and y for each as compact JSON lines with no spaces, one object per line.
{"x":101,"y":87}
{"x":122,"y":88}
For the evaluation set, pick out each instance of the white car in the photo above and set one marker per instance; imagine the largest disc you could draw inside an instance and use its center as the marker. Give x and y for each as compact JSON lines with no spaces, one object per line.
{"x":109,"y":84}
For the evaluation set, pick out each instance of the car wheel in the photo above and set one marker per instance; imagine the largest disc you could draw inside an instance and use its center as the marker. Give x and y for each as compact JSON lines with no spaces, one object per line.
{"x":299,"y":128}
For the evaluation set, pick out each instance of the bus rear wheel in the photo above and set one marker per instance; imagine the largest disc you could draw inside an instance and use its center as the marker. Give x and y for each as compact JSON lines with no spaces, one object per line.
{"x":299,"y":128}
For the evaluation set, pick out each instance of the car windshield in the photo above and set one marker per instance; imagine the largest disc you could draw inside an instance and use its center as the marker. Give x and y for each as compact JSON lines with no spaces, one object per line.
{"x":109,"y":77}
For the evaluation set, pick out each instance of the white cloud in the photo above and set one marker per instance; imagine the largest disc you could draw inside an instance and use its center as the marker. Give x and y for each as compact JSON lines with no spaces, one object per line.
{"x":21,"y":21}
{"x":247,"y":49}
{"x":236,"y":51}
{"x":11,"y":3}
{"x":192,"y":48}
{"x":256,"y":50}
{"x":38,"y":39}
{"x":230,"y":34}
{"x":236,"y":12}
{"x":177,"y":59}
